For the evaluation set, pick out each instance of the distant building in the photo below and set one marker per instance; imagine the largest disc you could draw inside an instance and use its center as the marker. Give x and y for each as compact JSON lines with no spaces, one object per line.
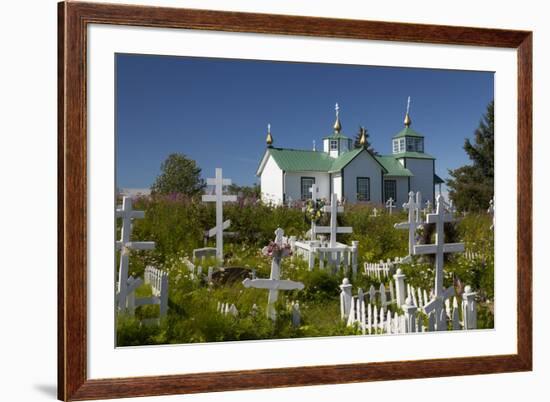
{"x":134,"y":192}
{"x":354,"y":174}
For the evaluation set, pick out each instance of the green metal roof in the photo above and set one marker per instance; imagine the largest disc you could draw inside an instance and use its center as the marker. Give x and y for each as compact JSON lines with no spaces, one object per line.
{"x":336,"y":136}
{"x":393,"y":166}
{"x":294,"y":160}
{"x":416,"y":155}
{"x":438,"y":180}
{"x":340,"y":162}
{"x":408,"y":132}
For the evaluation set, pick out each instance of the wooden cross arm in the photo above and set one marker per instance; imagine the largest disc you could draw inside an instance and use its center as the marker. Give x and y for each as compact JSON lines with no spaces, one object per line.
{"x":137,"y":245}
{"x":213,"y":231}
{"x":434,"y":218}
{"x":438,"y":301}
{"x":133,"y":284}
{"x":213,"y":182}
{"x":340,"y":229}
{"x":433,"y":248}
{"x":120,"y":213}
{"x":272,"y":284}
{"x":214,"y":198}
{"x":143,"y":301}
{"x":402,"y":225}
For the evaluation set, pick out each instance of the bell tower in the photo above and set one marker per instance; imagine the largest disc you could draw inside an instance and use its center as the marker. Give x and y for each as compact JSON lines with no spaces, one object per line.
{"x":407,"y":140}
{"x":337,"y":143}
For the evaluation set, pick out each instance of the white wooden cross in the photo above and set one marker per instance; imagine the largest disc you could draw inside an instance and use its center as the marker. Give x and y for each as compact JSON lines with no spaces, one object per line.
{"x":390,"y":204}
{"x":412,"y":206}
{"x":314,"y":189}
{"x":428,"y":208}
{"x":418,"y":210}
{"x":128,"y":285}
{"x":274,"y":283}
{"x":439,"y":249}
{"x":374,"y":212}
{"x":333,"y":229}
{"x":219,"y":198}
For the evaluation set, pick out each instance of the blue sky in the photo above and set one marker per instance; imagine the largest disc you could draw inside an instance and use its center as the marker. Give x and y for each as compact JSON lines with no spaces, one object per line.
{"x":216,"y":110}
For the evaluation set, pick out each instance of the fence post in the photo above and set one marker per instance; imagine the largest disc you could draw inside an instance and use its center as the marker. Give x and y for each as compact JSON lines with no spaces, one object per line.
{"x":410,"y":315}
{"x":399,"y":278}
{"x":131,"y":299}
{"x":345,"y":298}
{"x":295,"y":315}
{"x":469,"y":313}
{"x":292,"y":242}
{"x":210,"y":272}
{"x":163,"y":294}
{"x":455,"y":319}
{"x":354,"y":252}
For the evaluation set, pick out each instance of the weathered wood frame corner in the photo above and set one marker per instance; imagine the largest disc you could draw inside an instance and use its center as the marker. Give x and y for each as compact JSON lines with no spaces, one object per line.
{"x":74,"y":17}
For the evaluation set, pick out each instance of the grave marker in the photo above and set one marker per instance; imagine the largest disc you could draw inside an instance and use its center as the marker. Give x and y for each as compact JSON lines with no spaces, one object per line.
{"x":219,"y":198}
{"x":412,"y":223}
{"x":274,"y":283}
{"x":439,"y":249}
{"x":390,"y":205}
{"x":333,"y":229}
{"x":127,"y":285}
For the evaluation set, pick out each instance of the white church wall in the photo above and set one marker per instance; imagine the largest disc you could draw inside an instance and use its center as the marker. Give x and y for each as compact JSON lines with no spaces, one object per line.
{"x":402,"y":189}
{"x":363,"y":165}
{"x":337,"y":185}
{"x":271,"y":182}
{"x":422,"y":181}
{"x":293,"y":184}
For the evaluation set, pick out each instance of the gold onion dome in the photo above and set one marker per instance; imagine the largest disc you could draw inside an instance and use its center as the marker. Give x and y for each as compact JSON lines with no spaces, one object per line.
{"x":269,"y":138}
{"x":407,"y":122}
{"x":363,"y":138}
{"x":337,"y":125}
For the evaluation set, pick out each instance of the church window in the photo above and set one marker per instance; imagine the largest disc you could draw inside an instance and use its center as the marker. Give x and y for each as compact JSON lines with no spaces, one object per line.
{"x":411,"y":145}
{"x":419,"y":145}
{"x":390,"y":190}
{"x":334,"y":145}
{"x":306,"y":184}
{"x":363,"y":189}
{"x":395,"y":146}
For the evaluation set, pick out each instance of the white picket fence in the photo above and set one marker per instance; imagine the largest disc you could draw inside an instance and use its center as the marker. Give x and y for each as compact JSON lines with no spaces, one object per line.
{"x":196,"y":272}
{"x":319,"y":253}
{"x":158,"y":280}
{"x":381,"y":270}
{"x":374,"y":320}
{"x":372,"y":313}
{"x":227,"y":309}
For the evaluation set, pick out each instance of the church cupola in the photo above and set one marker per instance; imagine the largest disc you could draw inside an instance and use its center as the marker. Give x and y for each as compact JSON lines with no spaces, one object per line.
{"x":337,"y":143}
{"x":407,"y":140}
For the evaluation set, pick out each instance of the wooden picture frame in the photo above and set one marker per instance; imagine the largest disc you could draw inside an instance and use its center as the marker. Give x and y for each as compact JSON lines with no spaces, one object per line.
{"x":74,"y":17}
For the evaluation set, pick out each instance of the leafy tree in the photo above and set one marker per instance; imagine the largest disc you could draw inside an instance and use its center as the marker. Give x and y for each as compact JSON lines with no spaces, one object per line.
{"x":368,"y":145}
{"x":179,"y":174}
{"x":245,"y":191}
{"x":471,"y":186}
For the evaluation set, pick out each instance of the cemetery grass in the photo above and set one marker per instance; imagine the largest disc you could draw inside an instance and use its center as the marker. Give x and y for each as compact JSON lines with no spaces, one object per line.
{"x":177,"y":224}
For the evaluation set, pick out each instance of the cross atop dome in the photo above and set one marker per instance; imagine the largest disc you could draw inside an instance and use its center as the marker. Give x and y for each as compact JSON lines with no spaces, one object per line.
{"x":337,"y":143}
{"x":337,"y":125}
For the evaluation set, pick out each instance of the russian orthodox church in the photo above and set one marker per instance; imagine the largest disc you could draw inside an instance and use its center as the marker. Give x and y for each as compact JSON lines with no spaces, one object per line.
{"x":355,"y":174}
